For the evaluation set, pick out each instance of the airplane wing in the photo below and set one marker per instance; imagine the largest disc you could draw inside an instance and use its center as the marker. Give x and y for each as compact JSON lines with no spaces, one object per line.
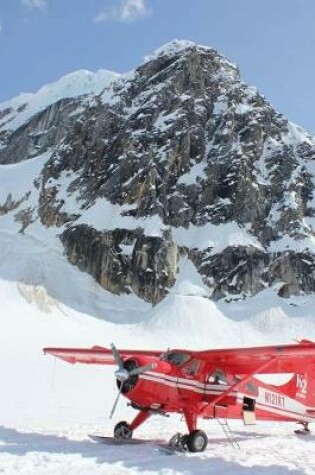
{"x":95,"y":355}
{"x":267,"y":359}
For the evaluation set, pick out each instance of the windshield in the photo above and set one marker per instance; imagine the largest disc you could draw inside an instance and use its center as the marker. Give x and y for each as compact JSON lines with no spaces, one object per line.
{"x":175,"y":357}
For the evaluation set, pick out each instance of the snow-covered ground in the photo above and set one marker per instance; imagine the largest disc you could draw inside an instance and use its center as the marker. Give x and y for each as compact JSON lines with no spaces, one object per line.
{"x":48,"y":407}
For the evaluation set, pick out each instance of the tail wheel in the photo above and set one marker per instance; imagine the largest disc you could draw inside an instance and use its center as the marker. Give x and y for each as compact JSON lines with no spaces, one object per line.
{"x":197,"y":441}
{"x":122,"y":430}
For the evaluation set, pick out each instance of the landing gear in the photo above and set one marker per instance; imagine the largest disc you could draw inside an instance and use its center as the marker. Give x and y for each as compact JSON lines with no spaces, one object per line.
{"x":304,"y":429}
{"x":122,"y":430}
{"x":178,"y":443}
{"x":197,"y":441}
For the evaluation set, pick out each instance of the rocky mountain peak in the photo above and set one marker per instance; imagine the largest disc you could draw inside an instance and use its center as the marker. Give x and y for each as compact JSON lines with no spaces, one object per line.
{"x":184,"y":49}
{"x":178,"y":158}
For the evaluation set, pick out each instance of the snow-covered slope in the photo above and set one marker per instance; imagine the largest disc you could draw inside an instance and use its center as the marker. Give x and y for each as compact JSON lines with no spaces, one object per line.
{"x":78,"y":83}
{"x":49,"y":407}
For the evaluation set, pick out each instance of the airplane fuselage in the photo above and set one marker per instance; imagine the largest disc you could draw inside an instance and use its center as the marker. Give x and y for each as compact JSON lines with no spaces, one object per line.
{"x":171,"y":389}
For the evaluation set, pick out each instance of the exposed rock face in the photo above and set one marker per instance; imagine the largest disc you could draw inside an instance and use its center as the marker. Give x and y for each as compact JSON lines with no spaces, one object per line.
{"x":123,"y":260}
{"x":246,"y":271}
{"x":178,"y":158}
{"x":43,"y":131}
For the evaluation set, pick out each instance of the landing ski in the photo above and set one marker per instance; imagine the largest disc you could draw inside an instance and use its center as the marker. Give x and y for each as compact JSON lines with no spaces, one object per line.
{"x":120,"y":441}
{"x":167,"y":449}
{"x":176,"y":445}
{"x":160,"y":445}
{"x":302,"y":432}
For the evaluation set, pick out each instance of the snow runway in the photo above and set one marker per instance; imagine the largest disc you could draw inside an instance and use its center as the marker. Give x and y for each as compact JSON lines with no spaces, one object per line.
{"x":269,"y":448}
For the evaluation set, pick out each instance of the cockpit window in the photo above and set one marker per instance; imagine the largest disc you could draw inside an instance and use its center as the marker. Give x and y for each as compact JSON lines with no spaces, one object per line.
{"x":217,"y":377}
{"x":176,"y":358}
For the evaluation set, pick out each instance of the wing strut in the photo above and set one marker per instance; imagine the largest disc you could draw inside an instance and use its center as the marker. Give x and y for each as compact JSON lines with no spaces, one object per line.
{"x":238,"y":383}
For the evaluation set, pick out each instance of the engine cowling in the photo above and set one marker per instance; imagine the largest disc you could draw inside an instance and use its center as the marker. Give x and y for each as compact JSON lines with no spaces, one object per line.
{"x":130,"y":383}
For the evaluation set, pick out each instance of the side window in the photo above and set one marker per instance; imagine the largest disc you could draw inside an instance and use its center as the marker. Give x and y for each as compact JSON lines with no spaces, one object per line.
{"x":217,"y":377}
{"x":192,"y":367}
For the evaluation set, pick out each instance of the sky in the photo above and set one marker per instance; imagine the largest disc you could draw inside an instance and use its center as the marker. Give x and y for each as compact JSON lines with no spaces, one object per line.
{"x":272,"y":41}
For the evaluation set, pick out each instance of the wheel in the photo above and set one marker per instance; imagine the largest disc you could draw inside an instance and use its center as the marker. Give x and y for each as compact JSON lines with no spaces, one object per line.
{"x":197,"y":441}
{"x":122,"y":430}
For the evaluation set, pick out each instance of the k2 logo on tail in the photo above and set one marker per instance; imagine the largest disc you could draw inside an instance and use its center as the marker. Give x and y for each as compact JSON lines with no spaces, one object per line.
{"x":301,"y":384}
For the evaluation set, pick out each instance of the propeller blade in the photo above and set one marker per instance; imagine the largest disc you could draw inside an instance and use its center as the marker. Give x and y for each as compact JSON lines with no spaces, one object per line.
{"x":117,"y":356}
{"x":116,"y":401}
{"x":142,"y":369}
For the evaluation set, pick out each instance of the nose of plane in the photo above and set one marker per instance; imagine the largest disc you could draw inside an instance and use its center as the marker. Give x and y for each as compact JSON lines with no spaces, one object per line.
{"x":122,"y":374}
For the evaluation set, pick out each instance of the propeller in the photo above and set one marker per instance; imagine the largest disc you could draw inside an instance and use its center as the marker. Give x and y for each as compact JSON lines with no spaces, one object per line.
{"x":117,"y":356}
{"x":123,"y":374}
{"x":116,"y":402}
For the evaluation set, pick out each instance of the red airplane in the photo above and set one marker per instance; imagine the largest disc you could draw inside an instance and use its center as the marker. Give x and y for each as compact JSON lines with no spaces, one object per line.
{"x":209,"y":384}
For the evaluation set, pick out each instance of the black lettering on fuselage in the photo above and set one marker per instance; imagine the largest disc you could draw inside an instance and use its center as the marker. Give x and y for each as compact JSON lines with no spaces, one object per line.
{"x":274,"y":399}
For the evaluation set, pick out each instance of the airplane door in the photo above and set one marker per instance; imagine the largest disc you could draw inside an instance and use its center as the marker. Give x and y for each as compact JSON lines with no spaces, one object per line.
{"x":174,"y":381}
{"x":249,"y":416}
{"x":188,"y":383}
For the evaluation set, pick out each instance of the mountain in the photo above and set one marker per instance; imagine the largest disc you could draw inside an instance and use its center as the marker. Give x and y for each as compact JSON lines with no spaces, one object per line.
{"x":176,"y":161}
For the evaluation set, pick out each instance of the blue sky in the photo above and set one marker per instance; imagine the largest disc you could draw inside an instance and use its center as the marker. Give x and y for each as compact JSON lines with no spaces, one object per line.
{"x":272,"y":41}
